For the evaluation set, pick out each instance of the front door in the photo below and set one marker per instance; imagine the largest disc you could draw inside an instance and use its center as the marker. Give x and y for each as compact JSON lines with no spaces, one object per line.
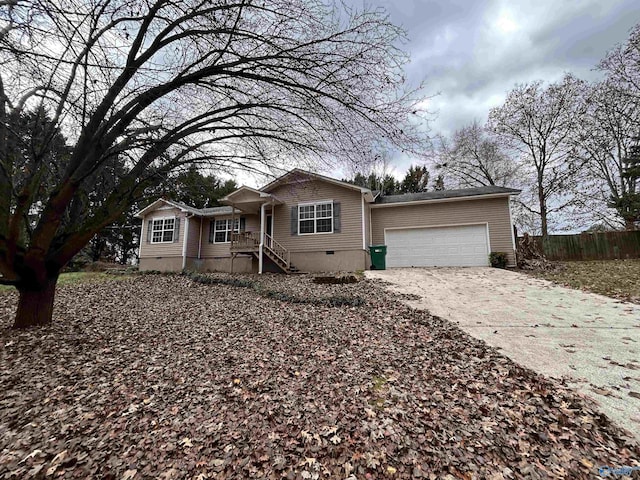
{"x":269,"y":225}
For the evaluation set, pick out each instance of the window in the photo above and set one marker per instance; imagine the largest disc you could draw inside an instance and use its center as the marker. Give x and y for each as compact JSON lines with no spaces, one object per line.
{"x":221,"y":230}
{"x":315,"y":218}
{"x":162,"y":230}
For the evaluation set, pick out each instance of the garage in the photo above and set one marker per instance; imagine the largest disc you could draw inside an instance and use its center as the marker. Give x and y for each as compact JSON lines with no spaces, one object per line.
{"x":454,"y":246}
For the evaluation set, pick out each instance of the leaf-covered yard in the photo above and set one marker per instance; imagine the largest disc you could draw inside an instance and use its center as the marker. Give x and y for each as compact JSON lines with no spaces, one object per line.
{"x":164,"y":377}
{"x":613,"y":278}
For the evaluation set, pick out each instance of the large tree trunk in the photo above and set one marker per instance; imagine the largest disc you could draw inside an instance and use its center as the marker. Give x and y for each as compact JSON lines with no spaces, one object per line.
{"x":629,"y":224}
{"x":35,"y":306}
{"x":543,"y":211}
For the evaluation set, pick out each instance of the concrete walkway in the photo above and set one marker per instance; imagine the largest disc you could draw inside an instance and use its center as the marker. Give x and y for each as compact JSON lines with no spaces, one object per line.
{"x":591,"y":340}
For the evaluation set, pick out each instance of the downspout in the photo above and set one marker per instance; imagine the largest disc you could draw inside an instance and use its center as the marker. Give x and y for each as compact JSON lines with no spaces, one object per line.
{"x":364,"y":227}
{"x":184,"y":241}
{"x":144,"y":220}
{"x":513,"y":235}
{"x":370,"y":228}
{"x":263,"y":211}
{"x":233,"y":229}
{"x":200,"y":241}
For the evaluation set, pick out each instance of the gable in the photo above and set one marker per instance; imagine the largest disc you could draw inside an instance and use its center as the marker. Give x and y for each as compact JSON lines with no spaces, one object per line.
{"x":297,"y":178}
{"x":164,"y":204}
{"x":315,"y":191}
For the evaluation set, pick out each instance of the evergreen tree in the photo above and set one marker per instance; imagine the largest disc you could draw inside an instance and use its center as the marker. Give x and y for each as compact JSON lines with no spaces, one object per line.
{"x":387,"y":185}
{"x":390,"y":186}
{"x":628,"y":204}
{"x":416,"y":180}
{"x":197,"y":190}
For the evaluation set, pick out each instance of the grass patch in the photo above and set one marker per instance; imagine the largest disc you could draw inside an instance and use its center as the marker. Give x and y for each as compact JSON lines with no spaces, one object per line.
{"x":379,"y":383}
{"x":614,"y":278}
{"x":379,"y":392}
{"x":71,"y":278}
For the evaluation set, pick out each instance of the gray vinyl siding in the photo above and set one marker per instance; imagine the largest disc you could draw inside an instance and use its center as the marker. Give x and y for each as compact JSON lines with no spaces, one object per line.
{"x":350,"y":235}
{"x":193,"y":236}
{"x":210,"y":250}
{"x":367,"y":224}
{"x":173,"y":249}
{"x":494,"y":211}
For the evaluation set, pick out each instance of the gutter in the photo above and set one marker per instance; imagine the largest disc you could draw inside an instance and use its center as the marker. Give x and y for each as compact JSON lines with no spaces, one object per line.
{"x":443,"y":200}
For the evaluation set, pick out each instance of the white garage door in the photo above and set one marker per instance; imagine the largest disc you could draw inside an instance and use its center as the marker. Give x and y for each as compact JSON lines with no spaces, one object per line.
{"x":463,"y":246}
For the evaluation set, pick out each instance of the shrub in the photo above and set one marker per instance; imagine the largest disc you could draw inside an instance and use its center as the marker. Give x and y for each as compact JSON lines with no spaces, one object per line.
{"x":151,"y":272}
{"x":210,"y":280}
{"x":334,"y":301}
{"x":498,"y":259}
{"x":336,"y":280}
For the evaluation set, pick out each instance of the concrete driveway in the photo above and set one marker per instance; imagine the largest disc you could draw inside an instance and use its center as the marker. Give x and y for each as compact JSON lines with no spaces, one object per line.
{"x":591,"y":340}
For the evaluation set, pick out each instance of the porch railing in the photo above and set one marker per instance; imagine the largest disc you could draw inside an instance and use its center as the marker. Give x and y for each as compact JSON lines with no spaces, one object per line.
{"x":278,"y":250}
{"x":250,"y":242}
{"x":245,"y":241}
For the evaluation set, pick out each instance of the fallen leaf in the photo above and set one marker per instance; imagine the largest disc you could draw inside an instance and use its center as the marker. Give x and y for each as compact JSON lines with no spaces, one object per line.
{"x":129,"y":474}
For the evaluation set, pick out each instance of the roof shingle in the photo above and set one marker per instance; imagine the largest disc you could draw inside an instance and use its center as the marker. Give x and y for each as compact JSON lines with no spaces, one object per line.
{"x":443,"y":194}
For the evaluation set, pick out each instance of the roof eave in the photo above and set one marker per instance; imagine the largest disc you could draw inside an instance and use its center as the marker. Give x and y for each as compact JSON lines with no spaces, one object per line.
{"x":218,"y":214}
{"x":324,"y":178}
{"x":228,"y":200}
{"x":447,"y":199}
{"x":152,"y":206}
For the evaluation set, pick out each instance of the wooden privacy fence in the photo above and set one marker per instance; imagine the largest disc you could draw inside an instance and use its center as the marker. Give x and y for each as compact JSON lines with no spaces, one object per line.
{"x":591,"y":246}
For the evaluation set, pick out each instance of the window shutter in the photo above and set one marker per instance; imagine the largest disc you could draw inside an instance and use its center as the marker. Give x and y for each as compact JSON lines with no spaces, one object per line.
{"x":294,"y":220}
{"x":149,"y":230}
{"x":212,"y":224}
{"x":176,"y":230}
{"x":243,"y":224}
{"x":336,"y":217}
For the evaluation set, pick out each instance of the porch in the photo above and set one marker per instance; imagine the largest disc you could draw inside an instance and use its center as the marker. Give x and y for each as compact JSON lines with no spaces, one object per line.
{"x":260,"y":244}
{"x":249,"y":242}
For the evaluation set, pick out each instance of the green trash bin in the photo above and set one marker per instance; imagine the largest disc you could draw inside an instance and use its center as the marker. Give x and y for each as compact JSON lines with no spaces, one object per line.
{"x":378,"y":254}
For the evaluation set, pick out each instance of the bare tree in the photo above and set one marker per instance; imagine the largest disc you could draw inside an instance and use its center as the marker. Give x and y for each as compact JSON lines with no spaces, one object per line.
{"x":622,"y":65}
{"x":537,"y":122}
{"x":605,"y":136}
{"x":618,"y":101}
{"x":472,"y":158}
{"x":165,"y":83}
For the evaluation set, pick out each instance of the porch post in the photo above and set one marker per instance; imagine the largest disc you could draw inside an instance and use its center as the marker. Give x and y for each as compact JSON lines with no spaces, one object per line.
{"x":263,"y":216}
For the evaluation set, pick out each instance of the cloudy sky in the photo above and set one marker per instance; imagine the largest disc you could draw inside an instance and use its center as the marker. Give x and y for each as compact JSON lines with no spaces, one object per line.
{"x":472,"y":52}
